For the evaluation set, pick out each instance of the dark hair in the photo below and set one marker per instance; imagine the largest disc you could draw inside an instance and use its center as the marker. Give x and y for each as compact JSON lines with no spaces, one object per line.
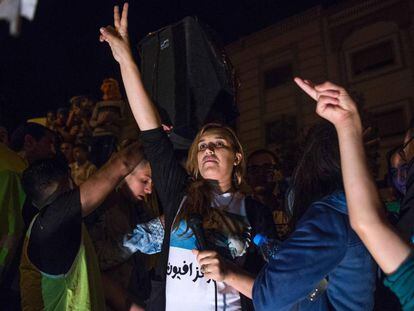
{"x":262,"y":151}
{"x":63,"y":110}
{"x":35,"y":130}
{"x":318,"y":172}
{"x":41,"y":174}
{"x":200,"y":192}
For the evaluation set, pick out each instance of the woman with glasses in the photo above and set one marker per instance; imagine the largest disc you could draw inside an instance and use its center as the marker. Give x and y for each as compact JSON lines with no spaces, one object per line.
{"x":269,"y":187}
{"x":398,"y":163}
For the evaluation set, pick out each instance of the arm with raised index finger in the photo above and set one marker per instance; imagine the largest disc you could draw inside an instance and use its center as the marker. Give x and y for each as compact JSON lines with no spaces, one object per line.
{"x":365,"y":208}
{"x":144,"y":111}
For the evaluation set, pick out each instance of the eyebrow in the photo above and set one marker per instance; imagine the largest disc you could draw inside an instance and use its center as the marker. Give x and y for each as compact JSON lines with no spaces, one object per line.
{"x":216,"y":137}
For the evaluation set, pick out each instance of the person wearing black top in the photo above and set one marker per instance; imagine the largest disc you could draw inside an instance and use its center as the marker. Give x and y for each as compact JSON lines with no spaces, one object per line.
{"x":210,"y":188}
{"x":56,"y":231}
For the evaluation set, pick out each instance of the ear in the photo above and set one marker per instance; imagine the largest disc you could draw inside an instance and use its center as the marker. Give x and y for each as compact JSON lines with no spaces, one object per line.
{"x":29,"y":142}
{"x":237,"y":158}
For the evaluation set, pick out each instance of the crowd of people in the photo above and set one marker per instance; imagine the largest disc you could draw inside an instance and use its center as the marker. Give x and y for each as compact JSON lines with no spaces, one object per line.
{"x":90,"y":222}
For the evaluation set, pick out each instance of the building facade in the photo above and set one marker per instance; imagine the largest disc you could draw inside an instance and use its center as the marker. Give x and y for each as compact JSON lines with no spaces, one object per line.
{"x":366,"y":46}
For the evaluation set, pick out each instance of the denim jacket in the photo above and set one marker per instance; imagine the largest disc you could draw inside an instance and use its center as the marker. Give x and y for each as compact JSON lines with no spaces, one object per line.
{"x":322,"y":246}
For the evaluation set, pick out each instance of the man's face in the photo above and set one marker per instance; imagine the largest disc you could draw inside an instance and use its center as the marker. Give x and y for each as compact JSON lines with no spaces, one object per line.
{"x":61,"y":119}
{"x":51,"y":192}
{"x":66,"y":149}
{"x":139,"y":183}
{"x":261,"y":173}
{"x":110,"y":90}
{"x":44,"y":148}
{"x":398,"y":172}
{"x":80,"y":155}
{"x":400,"y":162}
{"x":50,"y":117}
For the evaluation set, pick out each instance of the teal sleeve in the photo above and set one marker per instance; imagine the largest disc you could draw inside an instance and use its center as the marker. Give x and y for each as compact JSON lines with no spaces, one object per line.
{"x":401,"y":282}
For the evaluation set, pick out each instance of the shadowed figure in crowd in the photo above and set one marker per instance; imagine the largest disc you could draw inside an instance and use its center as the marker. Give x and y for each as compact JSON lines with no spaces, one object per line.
{"x":58,"y":258}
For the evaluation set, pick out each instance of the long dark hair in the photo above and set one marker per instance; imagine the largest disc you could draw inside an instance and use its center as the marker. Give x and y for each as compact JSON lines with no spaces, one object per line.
{"x":318,"y":172}
{"x":200,"y":192}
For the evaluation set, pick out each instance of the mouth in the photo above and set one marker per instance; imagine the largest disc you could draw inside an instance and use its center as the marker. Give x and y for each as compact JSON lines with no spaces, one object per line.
{"x":208,"y":159}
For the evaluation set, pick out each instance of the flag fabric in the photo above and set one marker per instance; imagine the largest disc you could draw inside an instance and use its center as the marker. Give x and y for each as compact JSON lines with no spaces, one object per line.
{"x":12,"y":10}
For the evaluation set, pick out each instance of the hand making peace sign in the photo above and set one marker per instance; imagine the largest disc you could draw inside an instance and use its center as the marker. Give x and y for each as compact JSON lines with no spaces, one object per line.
{"x":117,"y":37}
{"x":333,"y":103}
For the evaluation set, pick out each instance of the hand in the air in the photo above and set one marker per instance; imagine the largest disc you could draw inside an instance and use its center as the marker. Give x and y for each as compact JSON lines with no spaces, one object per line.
{"x":117,"y":37}
{"x":333,"y":103}
{"x":212,"y":265}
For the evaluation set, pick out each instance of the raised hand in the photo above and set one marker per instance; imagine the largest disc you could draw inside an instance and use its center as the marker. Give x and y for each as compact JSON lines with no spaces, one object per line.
{"x":333,"y":103}
{"x":117,"y":37}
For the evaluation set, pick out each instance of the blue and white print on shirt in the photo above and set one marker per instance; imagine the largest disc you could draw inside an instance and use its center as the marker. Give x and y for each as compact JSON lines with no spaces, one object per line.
{"x":228,"y":232}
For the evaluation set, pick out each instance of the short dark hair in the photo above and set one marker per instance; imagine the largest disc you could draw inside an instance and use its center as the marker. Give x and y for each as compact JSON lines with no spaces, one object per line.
{"x":262,"y":151}
{"x":35,"y":130}
{"x":41,"y":174}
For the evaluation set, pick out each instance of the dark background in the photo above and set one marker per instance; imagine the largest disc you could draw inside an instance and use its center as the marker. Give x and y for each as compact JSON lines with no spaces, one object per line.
{"x":58,"y":54}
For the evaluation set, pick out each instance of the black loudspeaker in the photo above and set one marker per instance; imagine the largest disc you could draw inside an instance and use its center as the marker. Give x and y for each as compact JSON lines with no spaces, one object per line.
{"x":189,"y":78}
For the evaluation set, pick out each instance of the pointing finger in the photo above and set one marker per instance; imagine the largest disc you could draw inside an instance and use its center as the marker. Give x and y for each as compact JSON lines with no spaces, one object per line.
{"x":306,"y":87}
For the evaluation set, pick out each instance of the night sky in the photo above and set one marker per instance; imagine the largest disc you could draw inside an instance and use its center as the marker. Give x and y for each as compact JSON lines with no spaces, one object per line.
{"x":58,"y":55}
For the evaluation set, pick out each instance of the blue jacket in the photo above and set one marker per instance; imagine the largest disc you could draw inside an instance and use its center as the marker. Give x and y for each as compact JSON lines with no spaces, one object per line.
{"x":322,"y":246}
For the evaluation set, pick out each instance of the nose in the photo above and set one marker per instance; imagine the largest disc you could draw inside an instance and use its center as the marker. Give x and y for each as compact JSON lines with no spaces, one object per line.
{"x":210,"y":148}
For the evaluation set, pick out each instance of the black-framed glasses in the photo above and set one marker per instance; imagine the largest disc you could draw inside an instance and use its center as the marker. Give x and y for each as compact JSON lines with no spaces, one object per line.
{"x":264,"y":168}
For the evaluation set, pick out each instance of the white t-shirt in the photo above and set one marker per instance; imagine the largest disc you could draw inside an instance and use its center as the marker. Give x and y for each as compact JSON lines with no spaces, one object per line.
{"x":229,"y":230}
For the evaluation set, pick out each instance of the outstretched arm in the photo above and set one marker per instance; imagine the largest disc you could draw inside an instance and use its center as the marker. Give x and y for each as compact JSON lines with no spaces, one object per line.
{"x":94,"y":191}
{"x":144,"y":111}
{"x":366,"y":211}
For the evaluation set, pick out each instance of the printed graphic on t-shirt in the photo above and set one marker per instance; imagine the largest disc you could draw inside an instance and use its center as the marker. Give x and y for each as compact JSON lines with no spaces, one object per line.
{"x":227,"y":231}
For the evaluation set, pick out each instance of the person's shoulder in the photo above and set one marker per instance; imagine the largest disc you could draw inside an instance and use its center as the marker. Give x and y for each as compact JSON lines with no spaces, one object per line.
{"x":91,"y":166}
{"x":10,"y":160}
{"x":335,"y":202}
{"x":328,"y":213}
{"x":66,"y":198}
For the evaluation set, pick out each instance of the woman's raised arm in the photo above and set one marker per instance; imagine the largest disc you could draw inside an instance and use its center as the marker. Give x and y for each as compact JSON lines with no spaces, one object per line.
{"x":144,"y":111}
{"x":365,"y":209}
